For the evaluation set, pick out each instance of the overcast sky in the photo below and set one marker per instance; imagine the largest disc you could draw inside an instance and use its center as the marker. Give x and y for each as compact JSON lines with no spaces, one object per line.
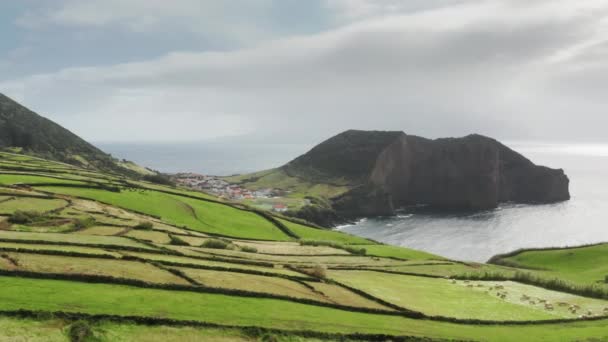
{"x":298,"y":71}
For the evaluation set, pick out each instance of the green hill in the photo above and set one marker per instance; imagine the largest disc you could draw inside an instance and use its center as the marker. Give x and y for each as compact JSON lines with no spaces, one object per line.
{"x":25,"y":131}
{"x":373,"y":173}
{"x":91,"y":256}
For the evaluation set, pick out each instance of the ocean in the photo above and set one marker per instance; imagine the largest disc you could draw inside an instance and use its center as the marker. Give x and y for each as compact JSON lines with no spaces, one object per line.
{"x":474,"y":236}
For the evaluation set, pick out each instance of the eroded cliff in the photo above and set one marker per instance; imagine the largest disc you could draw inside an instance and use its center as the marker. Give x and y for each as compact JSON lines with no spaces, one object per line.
{"x":387,"y":170}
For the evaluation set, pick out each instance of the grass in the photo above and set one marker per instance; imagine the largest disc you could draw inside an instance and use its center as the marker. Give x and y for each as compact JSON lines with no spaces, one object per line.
{"x":30,"y":330}
{"x":54,"y":295}
{"x":580,"y":266}
{"x":211,"y":263}
{"x":310,"y":233}
{"x":72,"y":238}
{"x":10,"y":179}
{"x":343,"y":296}
{"x":43,"y":247}
{"x":100,"y":230}
{"x":345,"y":260}
{"x":92,"y":266}
{"x":193,"y":240}
{"x":181,"y":211}
{"x":54,"y":330}
{"x":252,"y":283}
{"x":437,"y":297}
{"x":438,"y":268}
{"x":151,"y":236}
{"x":398,"y":252}
{"x":536,"y":298}
{"x":278,"y":179}
{"x":29,"y":204}
{"x":289,"y":248}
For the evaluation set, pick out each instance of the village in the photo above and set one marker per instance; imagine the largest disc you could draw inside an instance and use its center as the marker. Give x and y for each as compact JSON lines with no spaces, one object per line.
{"x":266,"y":198}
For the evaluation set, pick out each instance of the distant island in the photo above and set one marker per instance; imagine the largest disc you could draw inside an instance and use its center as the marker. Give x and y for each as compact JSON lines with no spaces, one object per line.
{"x":373,"y":173}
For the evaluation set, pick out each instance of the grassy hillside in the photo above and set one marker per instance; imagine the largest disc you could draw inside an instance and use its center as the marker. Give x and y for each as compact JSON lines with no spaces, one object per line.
{"x":111,"y":259}
{"x":23,"y":131}
{"x":583,"y":266}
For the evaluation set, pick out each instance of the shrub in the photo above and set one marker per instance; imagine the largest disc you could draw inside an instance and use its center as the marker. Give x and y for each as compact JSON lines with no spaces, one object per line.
{"x":159,"y":179}
{"x":147,"y":225}
{"x":356,"y":251}
{"x":317,"y":271}
{"x":215,"y":243}
{"x":80,"y":331}
{"x":177,"y":241}
{"x":249,"y":249}
{"x":25,"y":217}
{"x":84,"y":223}
{"x":350,"y":249}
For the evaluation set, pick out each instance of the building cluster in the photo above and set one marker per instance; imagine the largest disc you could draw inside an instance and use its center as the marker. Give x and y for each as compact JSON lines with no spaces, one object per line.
{"x":219,"y":187}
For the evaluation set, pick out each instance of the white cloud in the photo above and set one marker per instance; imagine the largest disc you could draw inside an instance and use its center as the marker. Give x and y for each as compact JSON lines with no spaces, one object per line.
{"x":496,"y":67}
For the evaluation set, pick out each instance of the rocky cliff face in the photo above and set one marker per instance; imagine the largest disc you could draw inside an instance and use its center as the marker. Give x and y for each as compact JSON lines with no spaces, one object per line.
{"x":474,"y":172}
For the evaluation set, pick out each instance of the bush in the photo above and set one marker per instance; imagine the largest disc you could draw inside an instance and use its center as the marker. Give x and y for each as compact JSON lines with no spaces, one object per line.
{"x":159,"y":179}
{"x":25,"y":217}
{"x":177,"y":241}
{"x":317,"y":271}
{"x":350,"y":249}
{"x":215,"y":243}
{"x":84,"y":223}
{"x":147,"y":225}
{"x":249,"y":249}
{"x":80,"y":331}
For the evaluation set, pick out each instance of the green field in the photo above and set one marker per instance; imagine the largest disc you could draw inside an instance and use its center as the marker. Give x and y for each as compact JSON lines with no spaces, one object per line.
{"x":29,"y":204}
{"x":72,"y":239}
{"x":309,"y":233}
{"x":581,"y":266}
{"x":277,"y":178}
{"x":92,"y":266}
{"x":53,"y":295}
{"x":43,"y":247}
{"x":398,"y":252}
{"x":181,"y":211}
{"x":438,"y":297}
{"x":139,"y":232}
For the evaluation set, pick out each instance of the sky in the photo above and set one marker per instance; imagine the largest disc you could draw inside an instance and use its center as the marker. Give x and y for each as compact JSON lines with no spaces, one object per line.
{"x":293,"y":71}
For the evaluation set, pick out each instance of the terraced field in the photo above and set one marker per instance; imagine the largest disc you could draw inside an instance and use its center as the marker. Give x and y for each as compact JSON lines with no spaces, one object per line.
{"x":127,"y":260}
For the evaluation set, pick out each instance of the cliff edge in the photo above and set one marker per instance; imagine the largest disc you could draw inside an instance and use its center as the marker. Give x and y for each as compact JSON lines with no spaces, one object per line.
{"x":388,"y":170}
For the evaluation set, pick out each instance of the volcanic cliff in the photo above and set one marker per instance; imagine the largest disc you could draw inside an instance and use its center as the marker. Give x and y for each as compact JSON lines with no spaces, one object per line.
{"x":388,"y":170}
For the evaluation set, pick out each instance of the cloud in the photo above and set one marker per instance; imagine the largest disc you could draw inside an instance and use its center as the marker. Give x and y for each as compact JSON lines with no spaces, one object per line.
{"x":231,"y":19}
{"x":501,"y":68}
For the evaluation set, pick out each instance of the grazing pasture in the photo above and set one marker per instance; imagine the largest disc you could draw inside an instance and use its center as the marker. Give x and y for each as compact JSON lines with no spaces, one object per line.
{"x":55,"y":295}
{"x":310,"y":233}
{"x":437,"y":297}
{"x":289,"y":248}
{"x":152,"y":236}
{"x":77,"y":239}
{"x":200,"y":215}
{"x":31,"y":204}
{"x":252,"y":283}
{"x":92,"y":224}
{"x":586,"y":265}
{"x":93,"y":266}
{"x":42,"y":247}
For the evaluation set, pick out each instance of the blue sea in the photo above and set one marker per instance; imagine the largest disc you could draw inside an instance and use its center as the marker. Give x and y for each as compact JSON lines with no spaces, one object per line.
{"x":472,"y":236}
